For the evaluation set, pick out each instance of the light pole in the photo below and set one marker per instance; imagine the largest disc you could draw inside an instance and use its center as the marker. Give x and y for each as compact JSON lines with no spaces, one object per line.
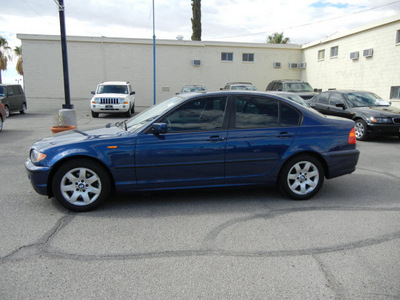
{"x":154,"y":57}
{"x":64,"y":55}
{"x":67,"y":111}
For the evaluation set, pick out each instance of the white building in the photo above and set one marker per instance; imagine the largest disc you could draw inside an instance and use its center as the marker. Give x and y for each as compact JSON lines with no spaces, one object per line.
{"x":329,"y":63}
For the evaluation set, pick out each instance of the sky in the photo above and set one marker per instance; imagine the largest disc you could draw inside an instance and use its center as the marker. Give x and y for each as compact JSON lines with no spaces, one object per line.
{"x":303,"y":21}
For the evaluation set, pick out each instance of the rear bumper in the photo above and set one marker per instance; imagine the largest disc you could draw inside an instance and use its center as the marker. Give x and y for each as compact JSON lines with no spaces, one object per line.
{"x":341,"y":162}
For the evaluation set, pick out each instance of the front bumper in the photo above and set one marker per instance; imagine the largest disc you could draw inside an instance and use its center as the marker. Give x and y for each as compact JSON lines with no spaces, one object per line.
{"x":38,"y":177}
{"x":110,"y":108}
{"x":384,"y":129}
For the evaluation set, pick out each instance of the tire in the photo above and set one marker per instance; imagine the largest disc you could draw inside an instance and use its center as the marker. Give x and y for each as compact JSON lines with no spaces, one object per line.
{"x":23,"y":109}
{"x":129,"y":113}
{"x":301,"y":177}
{"x":81,"y":185}
{"x":1,"y":123}
{"x":95,"y":114}
{"x":7,"y":111}
{"x":361,"y":130}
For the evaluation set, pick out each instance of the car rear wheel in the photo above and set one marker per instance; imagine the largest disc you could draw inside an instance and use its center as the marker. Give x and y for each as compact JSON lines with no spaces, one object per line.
{"x":301,"y":177}
{"x":95,"y":114}
{"x":81,"y":185}
{"x":7,"y":111}
{"x":1,"y":123}
{"x":361,"y":130}
{"x":23,"y":109}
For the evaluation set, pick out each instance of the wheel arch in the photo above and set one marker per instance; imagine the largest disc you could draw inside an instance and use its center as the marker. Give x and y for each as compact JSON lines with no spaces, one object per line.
{"x":310,"y":153}
{"x":59,"y":163}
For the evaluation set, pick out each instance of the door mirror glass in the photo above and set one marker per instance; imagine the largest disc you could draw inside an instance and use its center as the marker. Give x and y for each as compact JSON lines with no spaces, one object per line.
{"x":159,"y":128}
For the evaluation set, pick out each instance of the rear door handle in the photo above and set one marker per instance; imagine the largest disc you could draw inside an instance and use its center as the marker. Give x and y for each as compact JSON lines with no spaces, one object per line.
{"x":215,"y":138}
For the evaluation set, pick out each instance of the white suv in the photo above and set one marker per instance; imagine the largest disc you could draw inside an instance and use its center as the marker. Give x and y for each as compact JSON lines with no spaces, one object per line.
{"x":113,"y":97}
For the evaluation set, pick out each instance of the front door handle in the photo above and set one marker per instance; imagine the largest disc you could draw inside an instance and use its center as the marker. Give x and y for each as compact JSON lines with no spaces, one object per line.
{"x":284,"y":135}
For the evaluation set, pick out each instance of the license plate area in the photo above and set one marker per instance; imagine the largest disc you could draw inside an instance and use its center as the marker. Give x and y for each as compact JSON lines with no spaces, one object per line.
{"x":109,"y":107}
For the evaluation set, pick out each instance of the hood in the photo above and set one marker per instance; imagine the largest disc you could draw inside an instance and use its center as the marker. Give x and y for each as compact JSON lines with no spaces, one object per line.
{"x":77,"y":136}
{"x":379,"y":111}
{"x":110,"y":95}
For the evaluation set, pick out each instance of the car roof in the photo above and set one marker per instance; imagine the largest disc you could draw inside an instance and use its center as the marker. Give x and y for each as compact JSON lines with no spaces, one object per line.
{"x":238,"y":82}
{"x":115,"y":82}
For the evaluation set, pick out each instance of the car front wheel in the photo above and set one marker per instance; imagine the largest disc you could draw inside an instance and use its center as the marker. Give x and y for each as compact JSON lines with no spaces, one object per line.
{"x":81,"y":185}
{"x":301,"y":177}
{"x":95,"y":114}
{"x":361,"y":130}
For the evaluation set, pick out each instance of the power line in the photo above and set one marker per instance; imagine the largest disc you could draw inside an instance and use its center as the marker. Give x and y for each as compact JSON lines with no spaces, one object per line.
{"x":316,"y":22}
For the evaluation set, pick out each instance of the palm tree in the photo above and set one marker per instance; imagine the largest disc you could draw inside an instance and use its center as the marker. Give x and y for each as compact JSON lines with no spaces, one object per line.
{"x":18,"y":53}
{"x":196,"y":20}
{"x":5,"y":55}
{"x":277,"y":38}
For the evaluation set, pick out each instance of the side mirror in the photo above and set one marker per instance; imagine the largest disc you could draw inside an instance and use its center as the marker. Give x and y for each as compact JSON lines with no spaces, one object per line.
{"x":92,"y":92}
{"x":133,"y":93}
{"x":159,"y":128}
{"x":341,"y":105}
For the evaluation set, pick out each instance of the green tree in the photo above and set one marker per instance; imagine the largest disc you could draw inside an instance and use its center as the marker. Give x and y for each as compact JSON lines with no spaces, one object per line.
{"x":18,"y":53}
{"x":196,"y":20}
{"x":5,"y":55}
{"x":277,"y":38}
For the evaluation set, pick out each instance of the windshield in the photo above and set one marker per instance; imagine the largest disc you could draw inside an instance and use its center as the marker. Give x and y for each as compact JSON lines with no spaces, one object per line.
{"x":244,"y":87}
{"x":112,"y":89}
{"x":363,"y":99}
{"x":145,"y":117}
{"x":2,"y":91}
{"x":190,"y":89}
{"x":297,"y":99}
{"x":297,"y":87}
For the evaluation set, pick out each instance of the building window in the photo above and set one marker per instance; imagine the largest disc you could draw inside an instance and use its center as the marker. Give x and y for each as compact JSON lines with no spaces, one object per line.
{"x":227,"y":56}
{"x":395,"y":92}
{"x":321,"y":54}
{"x":334,"y":51}
{"x":398,"y":37}
{"x":248,"y":57}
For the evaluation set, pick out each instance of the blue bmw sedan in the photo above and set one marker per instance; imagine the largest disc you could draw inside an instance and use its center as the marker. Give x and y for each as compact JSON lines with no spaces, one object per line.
{"x":194,"y":141}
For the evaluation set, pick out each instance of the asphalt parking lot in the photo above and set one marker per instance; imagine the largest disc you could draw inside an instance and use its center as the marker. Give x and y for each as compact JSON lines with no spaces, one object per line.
{"x":226,"y":244}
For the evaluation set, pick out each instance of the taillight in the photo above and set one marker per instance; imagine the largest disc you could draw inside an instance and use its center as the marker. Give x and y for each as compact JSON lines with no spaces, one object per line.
{"x":352,"y":136}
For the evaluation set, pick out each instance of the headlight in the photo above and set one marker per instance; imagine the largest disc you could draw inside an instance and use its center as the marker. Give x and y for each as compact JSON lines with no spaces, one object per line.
{"x":381,"y":120}
{"x":36,"y":156}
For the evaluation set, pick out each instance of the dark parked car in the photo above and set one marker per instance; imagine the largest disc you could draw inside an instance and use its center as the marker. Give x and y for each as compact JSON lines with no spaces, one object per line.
{"x":371,"y":114}
{"x":3,"y":116}
{"x":13,"y":98}
{"x":301,"y":88}
{"x":203,"y":140}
